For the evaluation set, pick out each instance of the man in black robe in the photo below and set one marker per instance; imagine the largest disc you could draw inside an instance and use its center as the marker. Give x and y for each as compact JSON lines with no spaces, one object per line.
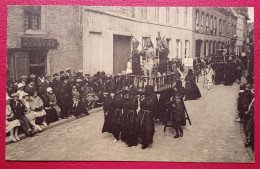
{"x":145,"y":118}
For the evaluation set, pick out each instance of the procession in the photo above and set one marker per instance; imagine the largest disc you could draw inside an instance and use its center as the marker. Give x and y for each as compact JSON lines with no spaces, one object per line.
{"x":110,"y":87}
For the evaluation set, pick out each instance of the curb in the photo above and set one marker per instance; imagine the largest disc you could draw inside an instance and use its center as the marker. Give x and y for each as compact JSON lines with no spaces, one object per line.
{"x":57,"y":123}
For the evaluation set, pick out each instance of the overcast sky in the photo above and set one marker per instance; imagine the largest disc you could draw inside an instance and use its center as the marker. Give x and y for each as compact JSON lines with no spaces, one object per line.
{"x":251,"y":14}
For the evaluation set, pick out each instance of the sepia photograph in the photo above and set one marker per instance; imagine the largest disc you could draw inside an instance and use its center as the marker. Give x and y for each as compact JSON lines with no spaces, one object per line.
{"x":130,"y":83}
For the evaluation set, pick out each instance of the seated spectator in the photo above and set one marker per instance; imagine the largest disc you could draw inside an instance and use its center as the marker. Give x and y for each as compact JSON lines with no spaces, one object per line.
{"x":53,"y":101}
{"x":18,"y":109}
{"x":51,"y":114}
{"x":20,"y":90}
{"x":90,"y":95}
{"x":36,"y":105}
{"x":29,"y":113}
{"x":23,"y":79}
{"x":30,"y":88}
{"x":11,"y":122}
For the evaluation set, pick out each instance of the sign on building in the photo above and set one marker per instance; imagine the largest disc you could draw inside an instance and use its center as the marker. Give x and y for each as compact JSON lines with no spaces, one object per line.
{"x":188,"y":62}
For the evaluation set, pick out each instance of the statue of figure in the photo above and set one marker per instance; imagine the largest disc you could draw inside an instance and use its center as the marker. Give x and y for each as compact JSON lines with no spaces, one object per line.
{"x":148,"y":52}
{"x":136,"y":64}
{"x":162,"y":53}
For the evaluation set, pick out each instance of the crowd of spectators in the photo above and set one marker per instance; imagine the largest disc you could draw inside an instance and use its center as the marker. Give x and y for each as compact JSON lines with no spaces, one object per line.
{"x":32,"y":101}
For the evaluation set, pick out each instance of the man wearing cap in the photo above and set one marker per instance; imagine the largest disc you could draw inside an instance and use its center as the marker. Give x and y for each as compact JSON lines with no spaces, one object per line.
{"x":24,"y":79}
{"x":69,"y":74}
{"x":145,"y":123}
{"x":79,"y":74}
{"x":19,"y":113}
{"x":55,"y":83}
{"x":30,"y":88}
{"x":32,"y":78}
{"x":40,"y":82}
{"x":65,"y":95}
{"x":62,"y":75}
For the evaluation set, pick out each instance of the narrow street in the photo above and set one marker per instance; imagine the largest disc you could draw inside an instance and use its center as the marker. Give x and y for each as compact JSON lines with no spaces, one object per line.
{"x":214,"y":136}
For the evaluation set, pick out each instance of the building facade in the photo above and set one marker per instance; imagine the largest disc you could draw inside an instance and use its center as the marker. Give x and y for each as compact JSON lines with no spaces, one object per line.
{"x":49,"y":39}
{"x":43,"y":39}
{"x":241,"y":32}
{"x":107,"y":34}
{"x":213,"y":27}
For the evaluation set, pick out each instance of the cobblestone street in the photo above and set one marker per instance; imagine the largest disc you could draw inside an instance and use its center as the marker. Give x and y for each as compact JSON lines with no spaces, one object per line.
{"x":214,"y":136}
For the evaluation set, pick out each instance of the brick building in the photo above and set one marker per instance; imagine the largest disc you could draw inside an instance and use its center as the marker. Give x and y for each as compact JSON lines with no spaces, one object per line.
{"x":43,"y":39}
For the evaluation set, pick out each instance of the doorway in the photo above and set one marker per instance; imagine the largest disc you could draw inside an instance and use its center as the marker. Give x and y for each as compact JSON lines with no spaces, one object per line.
{"x":121,"y":52}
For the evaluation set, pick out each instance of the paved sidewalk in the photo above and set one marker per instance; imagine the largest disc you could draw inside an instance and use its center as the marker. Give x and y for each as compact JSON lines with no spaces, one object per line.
{"x":54,"y":124}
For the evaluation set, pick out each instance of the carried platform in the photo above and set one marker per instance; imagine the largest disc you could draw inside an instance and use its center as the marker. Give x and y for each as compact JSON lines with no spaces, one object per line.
{"x":160,"y":83}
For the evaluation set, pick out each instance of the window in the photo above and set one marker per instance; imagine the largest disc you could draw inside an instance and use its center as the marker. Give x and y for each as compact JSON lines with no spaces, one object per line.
{"x":144,"y":12}
{"x":178,"y":48}
{"x":168,"y":14}
{"x":187,"y":49}
{"x":215,"y":23}
{"x":197,"y":18}
{"x":177,"y":16}
{"x":211,"y":22}
{"x":220,"y":27}
{"x":32,"y":17}
{"x":207,"y":20}
{"x":186,"y":17}
{"x":202,"y":19}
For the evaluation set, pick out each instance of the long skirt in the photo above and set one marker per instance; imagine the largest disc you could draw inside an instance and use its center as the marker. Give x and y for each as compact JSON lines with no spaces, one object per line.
{"x":51,"y":115}
{"x":145,"y":126}
{"x":40,"y":113}
{"x":192,"y":91}
{"x":30,"y":115}
{"x":11,"y":124}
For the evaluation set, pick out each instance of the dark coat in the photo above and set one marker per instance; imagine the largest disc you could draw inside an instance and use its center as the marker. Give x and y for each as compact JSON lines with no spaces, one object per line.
{"x":192,"y":90}
{"x":129,"y":134}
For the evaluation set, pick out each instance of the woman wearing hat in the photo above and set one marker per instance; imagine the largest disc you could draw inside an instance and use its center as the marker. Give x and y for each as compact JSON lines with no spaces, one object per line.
{"x":29,"y":113}
{"x":192,"y":90}
{"x":145,"y":122}
{"x":20,"y":90}
{"x":11,"y":122}
{"x":53,"y":100}
{"x":18,"y":109}
{"x":36,"y":105}
{"x":129,"y":117}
